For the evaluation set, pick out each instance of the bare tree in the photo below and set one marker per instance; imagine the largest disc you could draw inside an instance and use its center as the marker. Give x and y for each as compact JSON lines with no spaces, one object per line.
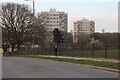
{"x":39,"y":31}
{"x":83,"y":39}
{"x":16,"y":21}
{"x":70,"y":38}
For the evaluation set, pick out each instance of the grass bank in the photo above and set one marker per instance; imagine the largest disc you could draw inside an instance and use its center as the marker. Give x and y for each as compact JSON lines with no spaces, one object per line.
{"x":88,"y":62}
{"x":97,"y":53}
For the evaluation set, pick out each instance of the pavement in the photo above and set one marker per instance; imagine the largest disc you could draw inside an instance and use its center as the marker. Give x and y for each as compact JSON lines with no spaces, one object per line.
{"x":83,"y":58}
{"x":18,"y":67}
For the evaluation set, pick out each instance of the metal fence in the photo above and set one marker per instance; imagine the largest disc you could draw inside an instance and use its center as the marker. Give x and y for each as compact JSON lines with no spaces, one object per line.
{"x":109,"y":51}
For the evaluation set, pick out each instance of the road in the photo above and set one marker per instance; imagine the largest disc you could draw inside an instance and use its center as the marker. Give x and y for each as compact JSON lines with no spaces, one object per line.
{"x":14,"y":67}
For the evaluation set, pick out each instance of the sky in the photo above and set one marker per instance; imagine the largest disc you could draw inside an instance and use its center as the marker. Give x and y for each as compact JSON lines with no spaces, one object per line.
{"x":103,"y":12}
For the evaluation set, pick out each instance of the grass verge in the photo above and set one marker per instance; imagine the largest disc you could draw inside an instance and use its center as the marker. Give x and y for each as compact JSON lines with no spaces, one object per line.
{"x":88,"y":62}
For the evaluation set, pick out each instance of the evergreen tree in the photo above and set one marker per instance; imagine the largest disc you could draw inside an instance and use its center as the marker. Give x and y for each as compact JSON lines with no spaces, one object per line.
{"x":57,"y":36}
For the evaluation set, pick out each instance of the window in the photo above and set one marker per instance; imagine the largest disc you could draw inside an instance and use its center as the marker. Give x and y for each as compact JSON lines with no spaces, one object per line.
{"x":44,"y":17}
{"x":50,"y":21}
{"x":54,"y":18}
{"x":50,"y":28}
{"x":54,"y":15}
{"x":50,"y":18}
{"x":50,"y":14}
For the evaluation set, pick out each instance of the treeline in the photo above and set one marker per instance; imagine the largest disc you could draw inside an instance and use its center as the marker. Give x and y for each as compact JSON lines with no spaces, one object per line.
{"x":100,"y":41}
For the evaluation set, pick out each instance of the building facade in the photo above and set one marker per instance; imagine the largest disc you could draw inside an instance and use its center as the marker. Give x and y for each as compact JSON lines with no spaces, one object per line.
{"x":103,"y":31}
{"x":83,"y":26}
{"x":54,"y":19}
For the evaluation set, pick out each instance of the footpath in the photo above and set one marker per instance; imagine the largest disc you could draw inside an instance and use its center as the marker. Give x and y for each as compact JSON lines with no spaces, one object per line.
{"x":84,"y":58}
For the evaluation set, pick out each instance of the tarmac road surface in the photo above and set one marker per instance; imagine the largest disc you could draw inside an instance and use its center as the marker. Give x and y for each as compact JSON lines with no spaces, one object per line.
{"x":15,"y":67}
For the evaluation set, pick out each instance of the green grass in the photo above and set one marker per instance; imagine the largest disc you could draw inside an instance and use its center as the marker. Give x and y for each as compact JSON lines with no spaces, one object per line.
{"x":88,"y":62}
{"x":97,"y":53}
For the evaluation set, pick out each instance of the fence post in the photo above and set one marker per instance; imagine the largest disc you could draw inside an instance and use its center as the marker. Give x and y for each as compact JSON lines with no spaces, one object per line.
{"x":73,"y":49}
{"x":82,"y":51}
{"x":93,"y":51}
{"x":106,"y":50}
{"x":59,"y":50}
{"x":49,"y":49}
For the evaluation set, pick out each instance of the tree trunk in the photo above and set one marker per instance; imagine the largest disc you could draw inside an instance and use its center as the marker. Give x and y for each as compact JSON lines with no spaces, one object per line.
{"x":18,"y":47}
{"x":13,"y":46}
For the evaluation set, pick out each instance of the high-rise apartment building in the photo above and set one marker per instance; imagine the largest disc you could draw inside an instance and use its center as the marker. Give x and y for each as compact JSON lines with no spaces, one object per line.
{"x":83,"y":26}
{"x":54,"y":19}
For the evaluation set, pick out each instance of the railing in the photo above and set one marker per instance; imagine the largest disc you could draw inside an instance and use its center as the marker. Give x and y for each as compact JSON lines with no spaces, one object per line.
{"x":110,"y":51}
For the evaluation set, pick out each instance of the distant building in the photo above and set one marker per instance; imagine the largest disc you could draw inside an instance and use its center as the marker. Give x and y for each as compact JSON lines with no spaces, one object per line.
{"x":83,"y":26}
{"x":71,"y":31}
{"x":103,"y":31}
{"x":54,"y":19}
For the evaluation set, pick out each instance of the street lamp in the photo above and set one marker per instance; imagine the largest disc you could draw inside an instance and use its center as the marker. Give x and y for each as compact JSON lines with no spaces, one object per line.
{"x":92,"y":40}
{"x":33,"y":17}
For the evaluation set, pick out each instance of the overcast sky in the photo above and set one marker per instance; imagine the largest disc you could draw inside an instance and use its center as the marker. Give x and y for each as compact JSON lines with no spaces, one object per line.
{"x":103,"y":12}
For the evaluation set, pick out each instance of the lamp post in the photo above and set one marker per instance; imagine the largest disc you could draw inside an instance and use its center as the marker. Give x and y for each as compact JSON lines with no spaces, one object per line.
{"x":33,"y":17}
{"x":93,"y":44}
